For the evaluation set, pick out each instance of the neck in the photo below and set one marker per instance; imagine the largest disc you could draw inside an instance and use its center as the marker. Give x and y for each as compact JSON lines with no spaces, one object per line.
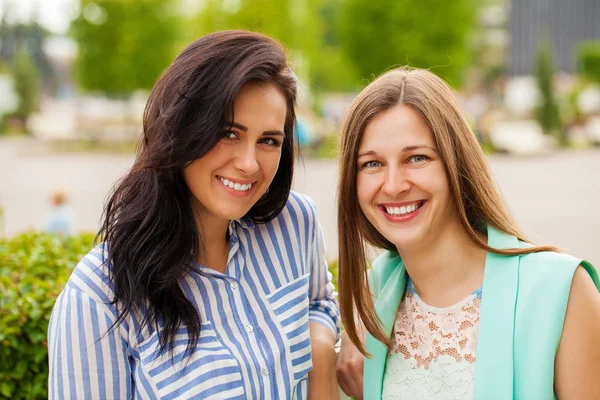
{"x":447,"y":268}
{"x":215,"y":242}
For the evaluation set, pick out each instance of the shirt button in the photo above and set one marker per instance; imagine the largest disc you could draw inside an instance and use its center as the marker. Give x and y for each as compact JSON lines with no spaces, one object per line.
{"x":234,"y":285}
{"x":264,"y":371}
{"x":249,"y":328}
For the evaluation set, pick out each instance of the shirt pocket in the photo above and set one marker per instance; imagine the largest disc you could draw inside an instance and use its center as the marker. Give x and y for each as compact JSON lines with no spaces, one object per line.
{"x":207,"y":371}
{"x":290,"y":305}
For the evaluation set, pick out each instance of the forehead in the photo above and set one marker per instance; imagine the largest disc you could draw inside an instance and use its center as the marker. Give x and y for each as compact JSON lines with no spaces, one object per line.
{"x":255,"y":96}
{"x":398,"y":126}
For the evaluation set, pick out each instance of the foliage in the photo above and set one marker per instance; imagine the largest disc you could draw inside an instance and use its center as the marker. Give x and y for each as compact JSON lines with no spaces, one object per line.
{"x":547,"y":112}
{"x":588,"y":59}
{"x":33,"y":270}
{"x":306,"y":28}
{"x":291,"y":22}
{"x":26,"y":77}
{"x":334,"y":269}
{"x":123,"y":45}
{"x":377,"y":35}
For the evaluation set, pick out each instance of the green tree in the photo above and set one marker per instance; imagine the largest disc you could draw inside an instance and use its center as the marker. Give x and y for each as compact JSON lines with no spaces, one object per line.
{"x":297,"y":24}
{"x":26,"y":77}
{"x":434,"y":34}
{"x":124,"y":45}
{"x":547,"y":112}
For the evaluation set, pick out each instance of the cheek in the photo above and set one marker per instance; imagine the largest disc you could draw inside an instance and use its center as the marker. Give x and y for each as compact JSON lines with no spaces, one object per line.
{"x":193,"y":174}
{"x":365,"y":190}
{"x":269,"y":164}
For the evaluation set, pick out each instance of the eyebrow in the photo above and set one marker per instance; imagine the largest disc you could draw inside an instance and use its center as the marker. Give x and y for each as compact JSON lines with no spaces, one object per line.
{"x":265,"y":133}
{"x":405,"y":149}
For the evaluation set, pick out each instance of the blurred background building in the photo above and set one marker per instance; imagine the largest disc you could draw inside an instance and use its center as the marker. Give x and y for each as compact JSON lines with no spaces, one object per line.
{"x":562,"y":25}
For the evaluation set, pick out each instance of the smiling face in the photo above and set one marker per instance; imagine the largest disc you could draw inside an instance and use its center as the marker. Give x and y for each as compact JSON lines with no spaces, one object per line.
{"x":234,"y":175}
{"x":401,"y":182}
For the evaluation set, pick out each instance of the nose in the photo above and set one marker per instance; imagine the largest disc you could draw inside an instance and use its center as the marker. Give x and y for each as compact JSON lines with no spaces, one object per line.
{"x":396,"y":182}
{"x":245,"y":160}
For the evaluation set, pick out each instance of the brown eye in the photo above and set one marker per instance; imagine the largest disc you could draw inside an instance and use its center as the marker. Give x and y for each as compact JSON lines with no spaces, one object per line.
{"x":271,"y":142}
{"x":229,"y":135}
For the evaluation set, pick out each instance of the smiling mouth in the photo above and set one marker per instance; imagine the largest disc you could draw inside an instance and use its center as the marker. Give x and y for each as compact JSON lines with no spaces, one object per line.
{"x":238,"y":187}
{"x":403,"y":210}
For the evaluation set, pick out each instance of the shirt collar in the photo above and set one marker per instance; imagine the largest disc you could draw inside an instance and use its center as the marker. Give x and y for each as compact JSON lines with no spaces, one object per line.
{"x":244,"y":222}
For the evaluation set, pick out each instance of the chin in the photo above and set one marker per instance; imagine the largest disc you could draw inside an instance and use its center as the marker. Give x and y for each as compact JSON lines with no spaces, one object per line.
{"x":406,"y":240}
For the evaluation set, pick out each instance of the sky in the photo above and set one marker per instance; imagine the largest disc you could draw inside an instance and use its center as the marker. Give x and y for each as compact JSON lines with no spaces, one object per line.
{"x":55,"y":15}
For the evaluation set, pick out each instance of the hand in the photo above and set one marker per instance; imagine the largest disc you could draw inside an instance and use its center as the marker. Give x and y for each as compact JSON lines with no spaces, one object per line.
{"x":349,"y":369}
{"x":322,"y":383}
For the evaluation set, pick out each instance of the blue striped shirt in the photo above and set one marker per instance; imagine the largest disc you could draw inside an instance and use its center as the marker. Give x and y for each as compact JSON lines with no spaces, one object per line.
{"x":254,"y":341}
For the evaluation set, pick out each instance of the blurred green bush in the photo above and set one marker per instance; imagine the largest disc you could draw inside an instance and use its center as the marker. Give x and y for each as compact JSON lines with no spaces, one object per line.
{"x":34,"y":267}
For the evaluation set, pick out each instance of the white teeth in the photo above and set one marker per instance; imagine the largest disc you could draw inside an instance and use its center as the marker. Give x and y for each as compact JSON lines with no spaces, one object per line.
{"x":236,"y":186}
{"x":402,"y":210}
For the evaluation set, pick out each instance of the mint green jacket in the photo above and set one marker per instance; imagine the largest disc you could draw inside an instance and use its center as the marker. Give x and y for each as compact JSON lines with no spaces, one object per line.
{"x":524,"y":301}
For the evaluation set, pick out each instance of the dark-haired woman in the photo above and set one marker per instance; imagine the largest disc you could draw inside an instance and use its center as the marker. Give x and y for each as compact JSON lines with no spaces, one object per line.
{"x":211,"y":280}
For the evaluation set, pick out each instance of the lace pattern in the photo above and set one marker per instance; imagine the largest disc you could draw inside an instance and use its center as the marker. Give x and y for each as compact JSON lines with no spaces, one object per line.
{"x":446,"y":379}
{"x":434,"y":349}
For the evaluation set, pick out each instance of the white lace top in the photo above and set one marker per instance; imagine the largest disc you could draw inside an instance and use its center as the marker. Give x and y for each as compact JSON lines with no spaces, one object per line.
{"x":434,"y":349}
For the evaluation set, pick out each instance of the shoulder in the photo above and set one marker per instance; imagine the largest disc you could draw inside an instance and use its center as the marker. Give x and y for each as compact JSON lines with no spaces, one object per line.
{"x":381,"y":269}
{"x":302,"y":202}
{"x":300,"y":209}
{"x":91,"y":276}
{"x":553,"y":275}
{"x":578,"y":358}
{"x":548,"y":264}
{"x":584,"y":299}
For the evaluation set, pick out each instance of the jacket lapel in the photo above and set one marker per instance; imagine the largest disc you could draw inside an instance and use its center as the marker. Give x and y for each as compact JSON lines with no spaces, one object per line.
{"x":494,"y":365}
{"x":386,"y":307}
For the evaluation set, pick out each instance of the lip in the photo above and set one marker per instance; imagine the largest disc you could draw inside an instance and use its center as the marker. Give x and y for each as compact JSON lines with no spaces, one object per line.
{"x":234,"y":192}
{"x":401,"y":218}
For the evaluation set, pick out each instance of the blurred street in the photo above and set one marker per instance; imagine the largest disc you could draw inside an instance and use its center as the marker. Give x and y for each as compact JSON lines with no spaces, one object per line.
{"x":555,"y":197}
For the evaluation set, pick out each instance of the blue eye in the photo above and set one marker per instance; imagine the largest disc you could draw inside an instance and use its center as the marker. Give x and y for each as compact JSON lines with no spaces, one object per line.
{"x":371,"y":164}
{"x":419,"y":159}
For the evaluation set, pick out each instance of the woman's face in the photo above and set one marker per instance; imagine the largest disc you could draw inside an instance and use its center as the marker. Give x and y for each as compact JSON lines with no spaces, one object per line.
{"x":234,"y":175}
{"x":401,"y":182}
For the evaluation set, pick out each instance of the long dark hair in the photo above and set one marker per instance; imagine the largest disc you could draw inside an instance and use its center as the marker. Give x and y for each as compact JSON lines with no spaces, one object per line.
{"x":148,"y":223}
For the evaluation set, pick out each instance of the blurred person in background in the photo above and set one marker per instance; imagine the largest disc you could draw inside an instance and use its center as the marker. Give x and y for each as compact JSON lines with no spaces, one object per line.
{"x":211,"y":280}
{"x":461,"y":305}
{"x":61,"y":219}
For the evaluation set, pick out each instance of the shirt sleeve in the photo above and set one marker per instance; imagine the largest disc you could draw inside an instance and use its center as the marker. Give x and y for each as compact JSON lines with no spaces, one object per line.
{"x":87,"y":359}
{"x":323,"y":303}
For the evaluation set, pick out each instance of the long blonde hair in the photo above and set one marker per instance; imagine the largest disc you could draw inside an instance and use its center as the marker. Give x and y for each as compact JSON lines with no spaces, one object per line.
{"x":472,"y":189}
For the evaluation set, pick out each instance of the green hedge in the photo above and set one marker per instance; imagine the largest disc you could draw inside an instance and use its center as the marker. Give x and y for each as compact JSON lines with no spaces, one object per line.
{"x":34,"y":267}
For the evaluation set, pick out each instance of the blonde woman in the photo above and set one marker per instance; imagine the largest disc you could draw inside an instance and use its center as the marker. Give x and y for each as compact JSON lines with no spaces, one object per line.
{"x":461,"y":305}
